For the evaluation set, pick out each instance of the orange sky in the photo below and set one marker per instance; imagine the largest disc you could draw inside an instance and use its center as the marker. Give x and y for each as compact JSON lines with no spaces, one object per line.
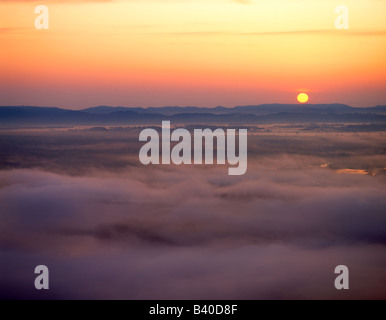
{"x":191,"y":52}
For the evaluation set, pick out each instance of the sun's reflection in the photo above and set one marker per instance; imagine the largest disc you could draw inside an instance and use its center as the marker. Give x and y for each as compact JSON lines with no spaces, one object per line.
{"x":352,"y":171}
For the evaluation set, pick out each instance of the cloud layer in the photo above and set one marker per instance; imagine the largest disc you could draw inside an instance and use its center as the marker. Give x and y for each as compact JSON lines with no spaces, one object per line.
{"x":195,"y":231}
{"x":79,"y":202}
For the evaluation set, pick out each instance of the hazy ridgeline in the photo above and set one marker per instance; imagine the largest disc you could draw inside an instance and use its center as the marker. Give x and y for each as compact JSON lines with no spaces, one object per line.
{"x":79,"y":201}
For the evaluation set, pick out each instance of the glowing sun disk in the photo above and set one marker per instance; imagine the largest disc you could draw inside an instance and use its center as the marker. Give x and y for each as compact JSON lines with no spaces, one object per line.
{"x":302,"y":97}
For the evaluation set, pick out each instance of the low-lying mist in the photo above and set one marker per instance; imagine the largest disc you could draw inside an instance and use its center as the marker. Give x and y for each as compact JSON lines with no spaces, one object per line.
{"x":106,"y":226}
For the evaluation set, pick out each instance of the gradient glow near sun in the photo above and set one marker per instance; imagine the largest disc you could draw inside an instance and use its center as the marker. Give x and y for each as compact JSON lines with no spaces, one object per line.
{"x":131,"y":48}
{"x":302,"y":97}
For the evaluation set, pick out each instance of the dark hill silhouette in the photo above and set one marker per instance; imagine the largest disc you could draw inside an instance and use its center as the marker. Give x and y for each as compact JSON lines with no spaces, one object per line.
{"x":254,"y":114}
{"x":249,"y":109}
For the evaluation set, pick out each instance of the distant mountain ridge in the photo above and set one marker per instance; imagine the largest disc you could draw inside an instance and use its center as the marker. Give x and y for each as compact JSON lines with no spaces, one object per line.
{"x":252,"y":114}
{"x":254,"y":109}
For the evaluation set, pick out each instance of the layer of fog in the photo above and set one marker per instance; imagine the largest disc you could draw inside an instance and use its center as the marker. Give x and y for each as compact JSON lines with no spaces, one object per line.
{"x":192,"y":232}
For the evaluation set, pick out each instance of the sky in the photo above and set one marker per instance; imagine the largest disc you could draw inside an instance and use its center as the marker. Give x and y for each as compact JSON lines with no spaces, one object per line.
{"x":203,"y":53}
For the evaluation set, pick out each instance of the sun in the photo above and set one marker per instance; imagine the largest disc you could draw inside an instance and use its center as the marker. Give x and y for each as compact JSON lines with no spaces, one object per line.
{"x":303,"y":97}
